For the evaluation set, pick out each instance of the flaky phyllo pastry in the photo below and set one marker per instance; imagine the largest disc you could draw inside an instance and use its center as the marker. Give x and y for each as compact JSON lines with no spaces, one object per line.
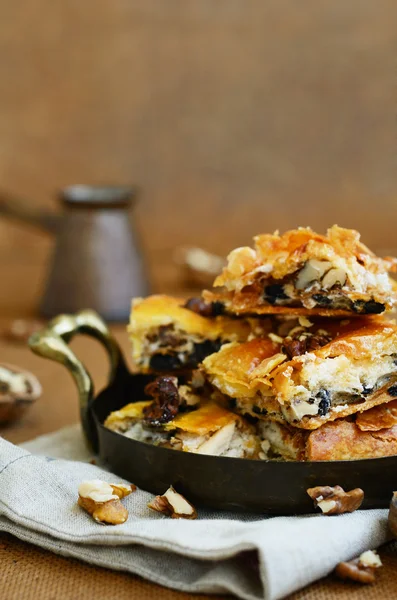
{"x":179,"y":418}
{"x":166,"y":335}
{"x":302,"y":272}
{"x":318,"y":372}
{"x":286,"y":358}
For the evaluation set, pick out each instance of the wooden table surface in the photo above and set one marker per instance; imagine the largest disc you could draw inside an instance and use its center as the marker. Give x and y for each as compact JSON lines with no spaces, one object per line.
{"x":56,"y":408}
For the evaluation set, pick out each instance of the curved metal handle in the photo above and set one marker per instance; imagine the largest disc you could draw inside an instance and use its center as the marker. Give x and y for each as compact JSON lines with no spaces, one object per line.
{"x":52,"y":342}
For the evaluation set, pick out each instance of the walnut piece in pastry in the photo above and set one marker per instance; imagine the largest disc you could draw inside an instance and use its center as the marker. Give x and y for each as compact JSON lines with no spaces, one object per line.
{"x":303,"y":272}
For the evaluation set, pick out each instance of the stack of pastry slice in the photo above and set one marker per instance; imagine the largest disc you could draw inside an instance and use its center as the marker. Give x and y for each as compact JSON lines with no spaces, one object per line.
{"x":294,"y":342}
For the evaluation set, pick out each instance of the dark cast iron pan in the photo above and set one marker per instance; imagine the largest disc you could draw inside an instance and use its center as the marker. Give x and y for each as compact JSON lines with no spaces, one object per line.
{"x":217,"y":482}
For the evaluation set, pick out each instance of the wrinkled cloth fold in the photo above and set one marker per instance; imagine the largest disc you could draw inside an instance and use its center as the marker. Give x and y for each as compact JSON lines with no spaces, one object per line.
{"x":252,"y":557}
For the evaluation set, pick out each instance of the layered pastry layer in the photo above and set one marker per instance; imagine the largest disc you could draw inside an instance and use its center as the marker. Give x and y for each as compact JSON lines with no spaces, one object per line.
{"x":338,"y":440}
{"x":204,"y":427}
{"x":302,"y":272}
{"x":318,"y":372}
{"x":167,"y":335}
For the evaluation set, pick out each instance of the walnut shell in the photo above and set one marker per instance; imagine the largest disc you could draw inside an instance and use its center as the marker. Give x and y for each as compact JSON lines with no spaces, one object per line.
{"x":18,"y":390}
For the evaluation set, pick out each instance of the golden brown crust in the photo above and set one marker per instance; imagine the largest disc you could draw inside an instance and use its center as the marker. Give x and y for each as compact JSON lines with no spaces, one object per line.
{"x":258,"y":373}
{"x":125,"y":416}
{"x":343,"y":440}
{"x":209,"y":417}
{"x":349,"y":276}
{"x":161,"y":310}
{"x":230,"y":369}
{"x":161,"y":326}
{"x":379,"y":417}
{"x":339,"y":440}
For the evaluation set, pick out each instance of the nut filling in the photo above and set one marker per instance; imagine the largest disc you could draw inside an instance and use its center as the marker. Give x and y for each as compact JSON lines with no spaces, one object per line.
{"x":181,"y":353}
{"x":320,"y":401}
{"x":317,"y":283}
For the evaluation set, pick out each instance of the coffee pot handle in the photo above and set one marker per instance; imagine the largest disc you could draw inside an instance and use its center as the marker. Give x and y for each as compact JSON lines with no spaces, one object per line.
{"x":15,"y":208}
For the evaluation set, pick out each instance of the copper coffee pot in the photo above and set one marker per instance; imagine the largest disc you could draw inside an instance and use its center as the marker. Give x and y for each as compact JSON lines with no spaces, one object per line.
{"x":97,"y":262}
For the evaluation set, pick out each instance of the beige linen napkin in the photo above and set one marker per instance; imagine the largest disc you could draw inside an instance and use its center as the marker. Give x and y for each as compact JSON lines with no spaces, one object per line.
{"x":253,"y":557}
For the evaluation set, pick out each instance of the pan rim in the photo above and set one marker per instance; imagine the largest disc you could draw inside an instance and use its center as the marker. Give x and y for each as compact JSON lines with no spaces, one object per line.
{"x":250,"y":460}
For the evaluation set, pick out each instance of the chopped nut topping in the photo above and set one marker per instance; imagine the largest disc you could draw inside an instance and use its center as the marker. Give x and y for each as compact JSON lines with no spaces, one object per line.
{"x":304,"y":322}
{"x":173,"y":505}
{"x":166,"y":402}
{"x":197,"y":379}
{"x":304,"y":342}
{"x":275,"y":338}
{"x":360,"y":569}
{"x":334,"y":500}
{"x":102,"y":500}
{"x":187,"y":396}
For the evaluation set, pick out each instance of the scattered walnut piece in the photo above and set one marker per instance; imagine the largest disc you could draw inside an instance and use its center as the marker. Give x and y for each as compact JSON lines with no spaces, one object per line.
{"x":20,"y":330}
{"x":174,"y":505}
{"x":102,"y":500}
{"x":392,"y":518}
{"x":360,"y":569}
{"x":334,"y":500}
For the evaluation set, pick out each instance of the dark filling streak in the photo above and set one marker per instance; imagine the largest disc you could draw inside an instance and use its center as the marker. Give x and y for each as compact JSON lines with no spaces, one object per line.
{"x":166,"y":401}
{"x":327,"y":399}
{"x":325,"y":402}
{"x":165,"y":362}
{"x":367,"y":390}
{"x":205,"y":309}
{"x":166,"y":336}
{"x":172,"y":362}
{"x":259,"y":411}
{"x":232,"y":403}
{"x":303,"y":342}
{"x":370,"y":308}
{"x":274,"y":294}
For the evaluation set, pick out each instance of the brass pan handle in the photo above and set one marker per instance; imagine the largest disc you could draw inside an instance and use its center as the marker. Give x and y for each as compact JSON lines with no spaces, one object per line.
{"x":52,"y":342}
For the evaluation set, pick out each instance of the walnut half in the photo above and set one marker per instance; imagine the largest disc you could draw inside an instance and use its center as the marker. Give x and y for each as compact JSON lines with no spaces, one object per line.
{"x":334,"y":500}
{"x":360,"y":569}
{"x":173,"y":505}
{"x":102,"y":500}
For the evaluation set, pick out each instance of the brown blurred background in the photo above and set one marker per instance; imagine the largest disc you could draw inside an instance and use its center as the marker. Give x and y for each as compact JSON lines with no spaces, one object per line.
{"x":233,"y":117}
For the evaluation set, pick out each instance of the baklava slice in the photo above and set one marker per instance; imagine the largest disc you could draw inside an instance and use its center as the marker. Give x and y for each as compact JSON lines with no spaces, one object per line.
{"x":181,"y":417}
{"x":302,"y":272}
{"x":342,"y":439}
{"x":169,"y":334}
{"x":324,"y":371}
